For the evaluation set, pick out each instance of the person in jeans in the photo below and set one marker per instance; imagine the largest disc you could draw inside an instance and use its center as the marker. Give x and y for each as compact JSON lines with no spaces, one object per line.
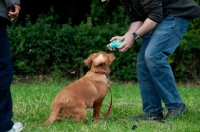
{"x":9,"y":10}
{"x":161,"y":24}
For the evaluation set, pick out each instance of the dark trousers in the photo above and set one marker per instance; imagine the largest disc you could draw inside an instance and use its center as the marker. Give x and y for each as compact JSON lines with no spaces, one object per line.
{"x":6,"y":74}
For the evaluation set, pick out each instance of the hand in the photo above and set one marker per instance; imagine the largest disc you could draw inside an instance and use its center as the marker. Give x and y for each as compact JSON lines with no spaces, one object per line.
{"x":13,"y":11}
{"x":120,"y":38}
{"x":128,"y":42}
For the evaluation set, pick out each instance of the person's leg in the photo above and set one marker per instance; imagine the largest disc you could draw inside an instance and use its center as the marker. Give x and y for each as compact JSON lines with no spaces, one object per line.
{"x":6,"y":74}
{"x":151,"y":100}
{"x":155,"y":77}
{"x":165,"y":38}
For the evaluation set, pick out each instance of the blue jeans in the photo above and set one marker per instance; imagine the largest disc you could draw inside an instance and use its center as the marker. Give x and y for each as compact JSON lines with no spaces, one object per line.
{"x":155,"y":76}
{"x":6,"y":74}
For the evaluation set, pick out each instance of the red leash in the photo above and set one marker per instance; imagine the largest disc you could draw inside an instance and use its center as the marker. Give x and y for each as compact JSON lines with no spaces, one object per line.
{"x":110,"y":107}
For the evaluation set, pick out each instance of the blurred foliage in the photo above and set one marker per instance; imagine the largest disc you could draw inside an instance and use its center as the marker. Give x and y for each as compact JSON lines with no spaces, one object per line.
{"x":46,"y":47}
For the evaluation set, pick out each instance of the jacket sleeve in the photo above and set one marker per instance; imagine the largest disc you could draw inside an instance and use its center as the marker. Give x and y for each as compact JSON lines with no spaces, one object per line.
{"x":131,"y":15}
{"x":11,"y":2}
{"x":153,"y":8}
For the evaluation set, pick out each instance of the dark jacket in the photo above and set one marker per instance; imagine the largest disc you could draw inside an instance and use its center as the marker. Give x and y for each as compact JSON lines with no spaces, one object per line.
{"x":156,"y":10}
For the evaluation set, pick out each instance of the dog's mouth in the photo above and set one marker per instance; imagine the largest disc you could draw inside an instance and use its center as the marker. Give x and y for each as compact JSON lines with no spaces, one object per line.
{"x":102,"y":73}
{"x":102,"y":65}
{"x":101,"y":68}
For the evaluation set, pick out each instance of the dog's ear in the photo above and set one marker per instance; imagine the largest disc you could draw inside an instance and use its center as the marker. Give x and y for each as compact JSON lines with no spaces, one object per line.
{"x":111,"y":58}
{"x":88,"y":61}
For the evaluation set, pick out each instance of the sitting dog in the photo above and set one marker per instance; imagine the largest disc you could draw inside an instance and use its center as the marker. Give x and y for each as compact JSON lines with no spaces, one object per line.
{"x":87,"y":92}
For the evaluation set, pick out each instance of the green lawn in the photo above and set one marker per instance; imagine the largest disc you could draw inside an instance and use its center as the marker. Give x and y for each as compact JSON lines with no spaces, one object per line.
{"x":32,"y":105}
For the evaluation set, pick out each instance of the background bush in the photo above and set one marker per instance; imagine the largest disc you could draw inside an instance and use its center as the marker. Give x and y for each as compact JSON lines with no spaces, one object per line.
{"x":46,"y":47}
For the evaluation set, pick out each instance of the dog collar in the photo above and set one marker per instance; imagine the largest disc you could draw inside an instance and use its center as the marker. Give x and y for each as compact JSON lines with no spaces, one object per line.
{"x":103,"y":73}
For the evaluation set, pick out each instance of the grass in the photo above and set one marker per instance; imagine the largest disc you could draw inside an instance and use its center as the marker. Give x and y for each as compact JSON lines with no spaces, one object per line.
{"x":32,"y":105}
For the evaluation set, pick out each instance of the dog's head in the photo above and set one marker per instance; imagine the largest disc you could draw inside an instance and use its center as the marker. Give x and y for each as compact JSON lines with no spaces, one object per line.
{"x":99,"y":62}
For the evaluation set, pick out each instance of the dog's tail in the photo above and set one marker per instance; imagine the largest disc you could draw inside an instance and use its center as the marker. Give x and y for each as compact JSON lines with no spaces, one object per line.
{"x":53,"y":114}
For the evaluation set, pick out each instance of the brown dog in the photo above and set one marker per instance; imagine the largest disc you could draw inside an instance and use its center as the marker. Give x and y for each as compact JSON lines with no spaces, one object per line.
{"x":87,"y":92}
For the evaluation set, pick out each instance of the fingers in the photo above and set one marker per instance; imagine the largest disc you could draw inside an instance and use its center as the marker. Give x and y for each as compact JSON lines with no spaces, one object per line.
{"x":108,"y":46}
{"x":128,"y":43}
{"x":123,"y":48}
{"x":13,"y":11}
{"x":120,"y":38}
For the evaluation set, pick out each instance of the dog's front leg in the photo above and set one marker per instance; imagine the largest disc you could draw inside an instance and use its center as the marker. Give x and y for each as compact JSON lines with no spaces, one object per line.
{"x":96,"y":109}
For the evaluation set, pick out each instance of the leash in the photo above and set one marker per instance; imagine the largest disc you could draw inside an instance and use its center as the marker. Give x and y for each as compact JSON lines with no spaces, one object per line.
{"x":110,"y":107}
